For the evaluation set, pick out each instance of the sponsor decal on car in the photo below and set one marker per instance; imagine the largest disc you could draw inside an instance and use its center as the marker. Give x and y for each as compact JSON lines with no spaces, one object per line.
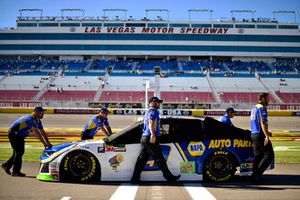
{"x":101,"y":150}
{"x":196,"y":148}
{"x":187,"y":167}
{"x":115,"y":148}
{"x":236,"y":143}
{"x":115,"y":161}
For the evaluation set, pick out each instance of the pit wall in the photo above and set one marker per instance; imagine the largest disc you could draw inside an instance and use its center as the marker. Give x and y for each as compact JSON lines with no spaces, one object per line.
{"x":177,"y":112}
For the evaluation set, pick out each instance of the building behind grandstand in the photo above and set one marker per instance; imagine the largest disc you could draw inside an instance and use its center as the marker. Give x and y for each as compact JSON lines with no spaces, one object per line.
{"x":94,"y":61}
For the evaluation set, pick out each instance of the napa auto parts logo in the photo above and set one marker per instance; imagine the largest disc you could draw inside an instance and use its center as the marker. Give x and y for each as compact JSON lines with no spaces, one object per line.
{"x":196,"y":148}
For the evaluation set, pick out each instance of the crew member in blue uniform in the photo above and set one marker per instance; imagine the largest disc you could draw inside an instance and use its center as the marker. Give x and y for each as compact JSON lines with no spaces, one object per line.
{"x":150,"y":143}
{"x":17,"y":133}
{"x":260,"y":136}
{"x":228,"y":115}
{"x":99,"y":121}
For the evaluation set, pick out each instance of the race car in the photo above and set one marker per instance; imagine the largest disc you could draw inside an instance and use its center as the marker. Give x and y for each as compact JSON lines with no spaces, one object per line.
{"x":195,"y":148}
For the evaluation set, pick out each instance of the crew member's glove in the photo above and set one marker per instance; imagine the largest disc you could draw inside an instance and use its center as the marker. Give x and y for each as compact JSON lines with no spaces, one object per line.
{"x":48,"y":146}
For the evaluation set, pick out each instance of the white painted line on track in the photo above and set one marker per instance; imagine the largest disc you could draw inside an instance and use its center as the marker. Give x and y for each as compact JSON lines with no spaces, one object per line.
{"x":65,"y":198}
{"x":125,"y":191}
{"x":197,"y":191}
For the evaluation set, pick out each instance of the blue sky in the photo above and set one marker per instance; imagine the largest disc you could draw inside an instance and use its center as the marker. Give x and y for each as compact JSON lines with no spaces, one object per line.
{"x":136,"y":8}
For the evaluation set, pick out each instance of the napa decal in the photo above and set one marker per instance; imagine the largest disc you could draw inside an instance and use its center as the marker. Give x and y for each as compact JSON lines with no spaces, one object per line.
{"x":187,"y":167}
{"x":226,"y":143}
{"x":196,"y":148}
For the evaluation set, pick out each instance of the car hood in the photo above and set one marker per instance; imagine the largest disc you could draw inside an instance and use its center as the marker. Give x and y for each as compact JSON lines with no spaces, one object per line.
{"x":52,"y":153}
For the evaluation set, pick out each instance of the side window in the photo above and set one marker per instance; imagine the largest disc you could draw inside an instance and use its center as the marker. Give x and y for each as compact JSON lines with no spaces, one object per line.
{"x":165,"y":132}
{"x":164,"y":129}
{"x":129,"y":135}
{"x":181,"y":130}
{"x":187,"y":130}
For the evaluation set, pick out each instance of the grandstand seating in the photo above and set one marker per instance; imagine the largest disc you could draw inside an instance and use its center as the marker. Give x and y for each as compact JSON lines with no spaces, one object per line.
{"x":124,"y":96}
{"x":192,"y":84}
{"x":289,"y":97}
{"x":284,"y":66}
{"x":187,"y":97}
{"x":237,"y":84}
{"x":77,"y":83}
{"x":242,"y":97}
{"x":69,"y":96}
{"x":80,"y":80}
{"x":191,"y":66}
{"x":101,"y":65}
{"x":283,"y":84}
{"x":76,"y":65}
{"x":17,"y":95}
{"x":23,"y":82}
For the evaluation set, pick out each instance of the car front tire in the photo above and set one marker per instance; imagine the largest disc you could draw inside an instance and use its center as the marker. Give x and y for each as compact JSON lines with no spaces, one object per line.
{"x":79,"y":166}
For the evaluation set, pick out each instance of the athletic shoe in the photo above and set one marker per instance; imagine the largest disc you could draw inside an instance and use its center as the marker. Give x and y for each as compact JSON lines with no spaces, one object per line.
{"x":174,"y":178}
{"x":5,"y":169}
{"x":20,"y":174}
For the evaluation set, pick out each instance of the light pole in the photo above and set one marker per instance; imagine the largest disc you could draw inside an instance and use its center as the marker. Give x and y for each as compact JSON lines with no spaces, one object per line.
{"x":31,"y":10}
{"x":285,"y":12}
{"x":115,"y":10}
{"x":147,"y":86}
{"x":158,"y":10}
{"x":71,"y":10}
{"x":201,"y":10}
{"x":242,"y":11}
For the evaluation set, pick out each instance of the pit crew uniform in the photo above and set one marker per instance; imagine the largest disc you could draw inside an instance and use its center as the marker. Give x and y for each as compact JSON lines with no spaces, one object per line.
{"x":263,"y":155}
{"x":148,"y":148}
{"x":17,"y":133}
{"x":226,"y":120}
{"x":92,"y":127}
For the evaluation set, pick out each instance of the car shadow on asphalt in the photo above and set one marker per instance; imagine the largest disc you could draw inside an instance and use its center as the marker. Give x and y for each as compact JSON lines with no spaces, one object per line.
{"x":267,"y":182}
{"x":237,"y":183}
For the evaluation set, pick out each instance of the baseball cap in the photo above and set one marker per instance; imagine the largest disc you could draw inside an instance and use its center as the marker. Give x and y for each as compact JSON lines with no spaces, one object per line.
{"x":230,"y":109}
{"x":155,"y":99}
{"x":39,"y":109}
{"x":104,"y":110}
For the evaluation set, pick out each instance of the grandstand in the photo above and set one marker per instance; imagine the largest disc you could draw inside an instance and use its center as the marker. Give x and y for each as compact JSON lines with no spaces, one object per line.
{"x":66,"y":61}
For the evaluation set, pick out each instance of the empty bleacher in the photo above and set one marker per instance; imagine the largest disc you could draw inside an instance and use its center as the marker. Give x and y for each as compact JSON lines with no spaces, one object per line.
{"x":17,"y":95}
{"x":238,"y":89}
{"x":288,"y":89}
{"x":17,"y":82}
{"x":187,"y":97}
{"x":180,"y":82}
{"x":289,"y":97}
{"x":69,"y":95}
{"x":72,"y":88}
{"x":124,"y":96}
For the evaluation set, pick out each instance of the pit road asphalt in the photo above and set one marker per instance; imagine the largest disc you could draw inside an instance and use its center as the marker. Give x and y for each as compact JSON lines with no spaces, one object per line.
{"x":281,"y":183}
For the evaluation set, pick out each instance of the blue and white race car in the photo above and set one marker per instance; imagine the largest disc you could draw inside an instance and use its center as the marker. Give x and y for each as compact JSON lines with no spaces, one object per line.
{"x":197,"y":149}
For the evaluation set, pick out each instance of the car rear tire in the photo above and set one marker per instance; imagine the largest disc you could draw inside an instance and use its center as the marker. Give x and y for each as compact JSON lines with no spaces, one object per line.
{"x":219,"y":166}
{"x":79,"y":166}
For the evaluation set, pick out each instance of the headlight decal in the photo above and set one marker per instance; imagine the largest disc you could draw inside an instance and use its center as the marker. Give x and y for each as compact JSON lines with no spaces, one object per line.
{"x":55,"y":155}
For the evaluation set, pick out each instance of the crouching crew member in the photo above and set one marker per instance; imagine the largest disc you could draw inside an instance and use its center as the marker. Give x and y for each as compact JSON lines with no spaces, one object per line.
{"x":17,"y":133}
{"x":97,"y":122}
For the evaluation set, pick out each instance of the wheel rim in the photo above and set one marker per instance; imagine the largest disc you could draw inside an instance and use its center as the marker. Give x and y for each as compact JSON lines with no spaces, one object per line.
{"x":80,"y":165}
{"x":220,"y":166}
